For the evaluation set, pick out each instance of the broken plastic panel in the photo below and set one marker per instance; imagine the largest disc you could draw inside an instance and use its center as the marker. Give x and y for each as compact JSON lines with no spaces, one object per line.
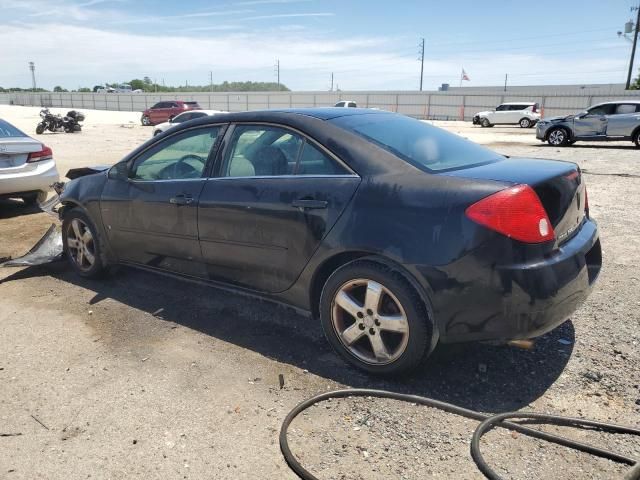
{"x":47,"y":250}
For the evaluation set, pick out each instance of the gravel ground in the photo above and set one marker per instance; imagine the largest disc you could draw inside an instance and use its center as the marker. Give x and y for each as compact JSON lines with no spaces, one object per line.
{"x":142,"y":376}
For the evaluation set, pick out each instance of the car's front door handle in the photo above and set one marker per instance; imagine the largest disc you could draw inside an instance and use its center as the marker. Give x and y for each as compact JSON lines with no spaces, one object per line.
{"x":308,"y":204}
{"x":181,"y":199}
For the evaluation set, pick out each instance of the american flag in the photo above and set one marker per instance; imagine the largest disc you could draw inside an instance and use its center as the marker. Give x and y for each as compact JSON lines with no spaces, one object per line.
{"x":464,"y":76}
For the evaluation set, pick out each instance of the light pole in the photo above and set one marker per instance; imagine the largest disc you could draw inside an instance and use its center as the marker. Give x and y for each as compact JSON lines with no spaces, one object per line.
{"x":32,"y":67}
{"x":633,"y":49}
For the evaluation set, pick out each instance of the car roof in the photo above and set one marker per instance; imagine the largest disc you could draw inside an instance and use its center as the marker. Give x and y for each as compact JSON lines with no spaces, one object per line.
{"x":518,"y":103}
{"x":321,"y":113}
{"x":616,"y":102}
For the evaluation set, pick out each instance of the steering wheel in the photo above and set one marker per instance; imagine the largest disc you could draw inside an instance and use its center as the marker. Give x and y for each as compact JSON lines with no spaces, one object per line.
{"x":181,"y":169}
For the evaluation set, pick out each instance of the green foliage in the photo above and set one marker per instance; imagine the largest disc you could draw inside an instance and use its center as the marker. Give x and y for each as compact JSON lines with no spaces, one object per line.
{"x":84,"y":90}
{"x":147,"y":85}
{"x":58,"y":88}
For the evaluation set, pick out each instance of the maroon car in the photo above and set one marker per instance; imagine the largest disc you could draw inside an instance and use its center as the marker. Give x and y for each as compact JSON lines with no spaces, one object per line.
{"x":163,"y":111}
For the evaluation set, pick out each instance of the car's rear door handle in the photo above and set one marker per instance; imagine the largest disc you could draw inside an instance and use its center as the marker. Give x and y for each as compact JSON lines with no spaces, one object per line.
{"x":304,"y":203}
{"x":181,"y":199}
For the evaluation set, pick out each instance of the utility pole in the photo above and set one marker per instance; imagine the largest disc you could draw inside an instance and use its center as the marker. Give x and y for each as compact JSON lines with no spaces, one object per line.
{"x":506,"y":76}
{"x":211,"y":81}
{"x":421,"y":62}
{"x":32,"y":67}
{"x":277,"y":68}
{"x":331,"y":82}
{"x":633,"y":49}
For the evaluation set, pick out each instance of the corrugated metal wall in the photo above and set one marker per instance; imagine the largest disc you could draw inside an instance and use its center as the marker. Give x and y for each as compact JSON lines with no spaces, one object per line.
{"x":455,"y":104}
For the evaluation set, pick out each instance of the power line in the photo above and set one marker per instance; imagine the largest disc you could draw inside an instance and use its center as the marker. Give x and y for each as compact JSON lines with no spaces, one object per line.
{"x":421,"y":62}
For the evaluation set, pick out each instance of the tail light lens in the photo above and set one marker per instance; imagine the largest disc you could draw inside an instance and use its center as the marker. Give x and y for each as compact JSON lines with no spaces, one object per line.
{"x":535,"y":108}
{"x":515,"y":212}
{"x":586,"y":201}
{"x":45,"y":154}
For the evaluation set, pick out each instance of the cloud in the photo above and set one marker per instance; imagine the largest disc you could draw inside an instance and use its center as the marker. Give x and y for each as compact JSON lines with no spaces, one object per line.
{"x":306,"y":61}
{"x":270,"y":2}
{"x":290,"y":15}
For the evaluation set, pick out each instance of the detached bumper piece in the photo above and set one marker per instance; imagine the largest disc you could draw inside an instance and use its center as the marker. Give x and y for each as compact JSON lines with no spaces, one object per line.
{"x":47,"y":250}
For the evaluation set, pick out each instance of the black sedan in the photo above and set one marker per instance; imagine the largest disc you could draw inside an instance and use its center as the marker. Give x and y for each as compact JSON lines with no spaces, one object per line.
{"x":396,"y":234}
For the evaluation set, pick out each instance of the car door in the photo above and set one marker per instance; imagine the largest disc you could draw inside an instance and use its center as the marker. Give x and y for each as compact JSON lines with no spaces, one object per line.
{"x":593,"y":122}
{"x":151,"y":214}
{"x":624,"y":120}
{"x":500,"y":115}
{"x":158,"y":113}
{"x":515,"y":113}
{"x":275,"y":196}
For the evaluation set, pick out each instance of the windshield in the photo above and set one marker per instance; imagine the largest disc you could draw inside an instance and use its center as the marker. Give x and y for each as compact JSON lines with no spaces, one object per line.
{"x":8,"y":130}
{"x":419,"y":143}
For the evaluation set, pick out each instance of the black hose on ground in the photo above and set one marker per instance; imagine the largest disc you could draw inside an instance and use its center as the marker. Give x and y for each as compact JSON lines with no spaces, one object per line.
{"x":487,"y":422}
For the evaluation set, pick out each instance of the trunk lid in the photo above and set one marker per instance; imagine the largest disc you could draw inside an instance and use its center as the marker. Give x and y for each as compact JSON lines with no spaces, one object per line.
{"x":14,"y":152}
{"x":559,"y":185}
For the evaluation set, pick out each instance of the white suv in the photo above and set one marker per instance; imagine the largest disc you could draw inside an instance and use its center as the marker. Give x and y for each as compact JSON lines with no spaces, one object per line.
{"x":525,"y":114}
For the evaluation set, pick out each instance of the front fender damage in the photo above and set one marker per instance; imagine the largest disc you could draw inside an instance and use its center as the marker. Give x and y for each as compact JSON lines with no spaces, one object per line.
{"x":49,"y":248}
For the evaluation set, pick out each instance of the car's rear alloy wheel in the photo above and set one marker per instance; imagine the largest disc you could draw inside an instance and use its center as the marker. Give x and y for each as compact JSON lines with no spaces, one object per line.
{"x":525,"y":123}
{"x":636,"y":138}
{"x":81,"y":244}
{"x":558,"y":137}
{"x":374,"y":318}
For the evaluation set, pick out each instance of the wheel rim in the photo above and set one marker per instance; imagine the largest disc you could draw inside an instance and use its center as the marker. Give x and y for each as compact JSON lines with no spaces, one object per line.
{"x":80,"y":245}
{"x":485,"y":122}
{"x":556,"y":137}
{"x":370,"y":322}
{"x":524,"y":123}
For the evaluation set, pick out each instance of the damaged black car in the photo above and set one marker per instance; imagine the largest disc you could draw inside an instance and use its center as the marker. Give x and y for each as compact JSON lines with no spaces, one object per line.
{"x":395,"y":234}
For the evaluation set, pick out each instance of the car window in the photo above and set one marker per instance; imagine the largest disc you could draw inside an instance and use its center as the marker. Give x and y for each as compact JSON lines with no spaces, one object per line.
{"x":313,"y":161}
{"x":182,"y":156}
{"x":261,"y":151}
{"x":183,"y":117}
{"x":607,"y":109}
{"x":339,"y":104}
{"x":158,"y":105}
{"x":501,"y":108}
{"x":8,"y":130}
{"x":418,"y":143}
{"x":192,"y":104}
{"x":623,"y":108}
{"x":352,"y":105}
{"x":197,"y":115}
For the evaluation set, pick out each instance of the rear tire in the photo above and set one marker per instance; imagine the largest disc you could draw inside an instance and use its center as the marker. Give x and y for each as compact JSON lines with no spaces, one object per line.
{"x":373,"y":318}
{"x":558,"y":137}
{"x":525,"y":123}
{"x":34,"y":199}
{"x":636,"y":138}
{"x":82,"y":244}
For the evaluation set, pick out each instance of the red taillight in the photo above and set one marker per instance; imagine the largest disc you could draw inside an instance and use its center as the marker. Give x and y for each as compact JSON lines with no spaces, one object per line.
{"x":45,"y":154}
{"x":515,"y":212}
{"x":535,"y":108}
{"x":586,"y":201}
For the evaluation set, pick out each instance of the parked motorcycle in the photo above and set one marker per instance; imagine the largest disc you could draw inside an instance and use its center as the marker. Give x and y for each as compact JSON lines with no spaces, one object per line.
{"x":55,"y":123}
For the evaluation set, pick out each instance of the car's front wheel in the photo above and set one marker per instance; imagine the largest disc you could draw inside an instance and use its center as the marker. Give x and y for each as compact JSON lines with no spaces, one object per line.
{"x":485,"y":122}
{"x":558,"y":137}
{"x":82,"y":245}
{"x":145,"y":120}
{"x":525,"y":123}
{"x":374,"y":318}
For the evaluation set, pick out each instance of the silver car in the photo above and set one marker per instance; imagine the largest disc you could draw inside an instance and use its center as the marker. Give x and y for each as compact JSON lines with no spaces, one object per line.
{"x":611,"y":121}
{"x":27,"y":168}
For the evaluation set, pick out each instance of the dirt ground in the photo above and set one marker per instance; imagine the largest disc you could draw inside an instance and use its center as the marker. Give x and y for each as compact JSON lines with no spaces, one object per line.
{"x":142,"y":376}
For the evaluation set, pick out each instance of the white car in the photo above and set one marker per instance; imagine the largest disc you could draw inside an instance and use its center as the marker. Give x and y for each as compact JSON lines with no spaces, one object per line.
{"x":346,"y":104}
{"x":27,"y":168}
{"x":525,"y":114}
{"x":183,"y":117}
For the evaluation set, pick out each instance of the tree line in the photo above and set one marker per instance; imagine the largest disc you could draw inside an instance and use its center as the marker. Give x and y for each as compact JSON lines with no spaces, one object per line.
{"x":147,"y":85}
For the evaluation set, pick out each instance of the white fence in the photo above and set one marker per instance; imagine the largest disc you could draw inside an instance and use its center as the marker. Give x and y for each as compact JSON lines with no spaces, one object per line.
{"x":450,"y":105}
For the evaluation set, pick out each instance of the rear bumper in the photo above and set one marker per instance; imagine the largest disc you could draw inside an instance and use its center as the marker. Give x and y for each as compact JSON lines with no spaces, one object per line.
{"x":39,"y":178}
{"x":526,"y":300}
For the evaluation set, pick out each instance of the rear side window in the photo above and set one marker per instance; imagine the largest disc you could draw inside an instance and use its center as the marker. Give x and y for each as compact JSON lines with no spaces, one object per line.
{"x":625,"y":108}
{"x":192,"y":104}
{"x":8,"y":130}
{"x":424,"y":146}
{"x":315,"y":162}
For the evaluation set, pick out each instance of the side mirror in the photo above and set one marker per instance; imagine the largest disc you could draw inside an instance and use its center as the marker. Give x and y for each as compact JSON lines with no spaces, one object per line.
{"x":171,"y":118}
{"x":119,"y":172}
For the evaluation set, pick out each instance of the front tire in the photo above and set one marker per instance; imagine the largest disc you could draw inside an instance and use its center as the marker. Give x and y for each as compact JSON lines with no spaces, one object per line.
{"x":525,"y":123}
{"x":558,"y":137}
{"x":82,"y":244}
{"x":146,"y":121}
{"x":374,"y":318}
{"x":40,"y":129}
{"x":485,"y":123}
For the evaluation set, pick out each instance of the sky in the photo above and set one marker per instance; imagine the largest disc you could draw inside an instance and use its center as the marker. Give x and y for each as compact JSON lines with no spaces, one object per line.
{"x":367,"y":44}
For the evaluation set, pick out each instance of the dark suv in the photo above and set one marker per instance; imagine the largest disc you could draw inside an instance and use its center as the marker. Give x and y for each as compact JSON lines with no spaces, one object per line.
{"x":163,"y":111}
{"x":611,"y":121}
